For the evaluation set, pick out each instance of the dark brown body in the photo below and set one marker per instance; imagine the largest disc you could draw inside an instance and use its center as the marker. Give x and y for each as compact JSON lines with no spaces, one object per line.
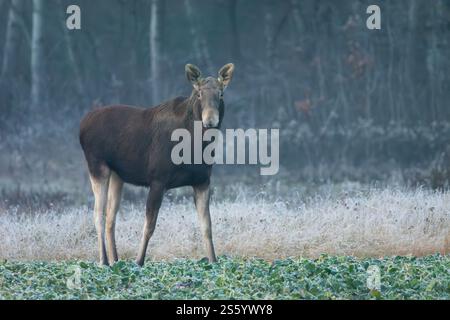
{"x":135,"y":143}
{"x":124,"y":144}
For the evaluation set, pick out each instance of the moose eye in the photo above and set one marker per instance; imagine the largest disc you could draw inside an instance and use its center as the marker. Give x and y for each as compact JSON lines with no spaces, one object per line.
{"x":221,"y":95}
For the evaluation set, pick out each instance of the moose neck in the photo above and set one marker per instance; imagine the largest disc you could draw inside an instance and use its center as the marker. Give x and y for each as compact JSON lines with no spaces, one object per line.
{"x":194,"y":108}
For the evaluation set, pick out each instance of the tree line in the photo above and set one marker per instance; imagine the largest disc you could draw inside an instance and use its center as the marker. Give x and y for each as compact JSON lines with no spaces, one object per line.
{"x":310,"y":68}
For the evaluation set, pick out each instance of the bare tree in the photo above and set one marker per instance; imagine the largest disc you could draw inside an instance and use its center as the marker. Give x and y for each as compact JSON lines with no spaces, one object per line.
{"x":71,"y":54}
{"x":269,"y":33}
{"x":10,"y":56}
{"x":3,"y":7}
{"x":199,"y":43}
{"x":156,"y":49}
{"x":13,"y":38}
{"x":236,"y":48}
{"x":417,"y":55}
{"x":37,"y":54}
{"x":273,"y":30}
{"x":297,"y":18}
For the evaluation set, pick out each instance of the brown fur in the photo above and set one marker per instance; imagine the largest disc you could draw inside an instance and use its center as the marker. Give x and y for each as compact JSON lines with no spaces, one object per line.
{"x":134,"y":144}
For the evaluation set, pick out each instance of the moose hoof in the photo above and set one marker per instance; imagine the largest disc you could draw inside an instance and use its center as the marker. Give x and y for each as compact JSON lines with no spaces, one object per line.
{"x":103,"y":264}
{"x":140,"y":263}
{"x":210,"y":260}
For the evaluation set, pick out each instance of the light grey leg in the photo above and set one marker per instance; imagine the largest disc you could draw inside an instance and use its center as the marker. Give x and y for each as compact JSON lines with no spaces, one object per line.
{"x":114,"y":195}
{"x":201,"y":197}
{"x":100,"y":189}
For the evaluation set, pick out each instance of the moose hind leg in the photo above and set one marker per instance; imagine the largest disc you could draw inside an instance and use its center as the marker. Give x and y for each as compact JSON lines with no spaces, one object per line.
{"x":201,"y":197}
{"x":100,"y":189}
{"x":154,"y":200}
{"x":114,"y":196}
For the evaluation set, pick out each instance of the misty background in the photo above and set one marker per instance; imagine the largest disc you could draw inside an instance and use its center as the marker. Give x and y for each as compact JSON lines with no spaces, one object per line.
{"x":351,"y":104}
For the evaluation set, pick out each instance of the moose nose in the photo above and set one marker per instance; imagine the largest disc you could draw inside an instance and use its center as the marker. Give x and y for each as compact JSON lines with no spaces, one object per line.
{"x":210,"y":118}
{"x":211,"y":122}
{"x":208,"y":125}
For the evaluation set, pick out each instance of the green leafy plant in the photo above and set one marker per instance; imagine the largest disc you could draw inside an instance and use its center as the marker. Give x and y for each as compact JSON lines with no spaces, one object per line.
{"x":326,"y":277}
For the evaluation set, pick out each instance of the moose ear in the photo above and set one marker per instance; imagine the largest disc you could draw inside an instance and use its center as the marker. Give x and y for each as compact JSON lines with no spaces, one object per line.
{"x":193,"y":74}
{"x":225,"y":74}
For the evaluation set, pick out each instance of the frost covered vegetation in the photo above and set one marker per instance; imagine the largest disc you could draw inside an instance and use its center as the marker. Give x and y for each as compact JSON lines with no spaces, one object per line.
{"x":231,"y":278}
{"x":349,"y":219}
{"x":270,"y":234}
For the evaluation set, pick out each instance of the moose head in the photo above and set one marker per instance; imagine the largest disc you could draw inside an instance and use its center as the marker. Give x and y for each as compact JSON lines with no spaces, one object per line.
{"x":209,"y":91}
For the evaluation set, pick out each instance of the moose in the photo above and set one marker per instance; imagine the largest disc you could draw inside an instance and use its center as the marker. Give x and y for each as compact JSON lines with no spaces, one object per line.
{"x":126,"y":144}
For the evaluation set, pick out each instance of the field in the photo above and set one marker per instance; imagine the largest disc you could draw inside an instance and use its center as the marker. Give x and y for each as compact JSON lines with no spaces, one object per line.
{"x":337,"y":220}
{"x":231,"y":278}
{"x":314,"y":243}
{"x":281,"y":238}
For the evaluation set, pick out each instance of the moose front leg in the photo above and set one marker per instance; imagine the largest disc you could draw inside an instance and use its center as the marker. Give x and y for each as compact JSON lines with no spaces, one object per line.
{"x":154,"y":200}
{"x":201,"y":198}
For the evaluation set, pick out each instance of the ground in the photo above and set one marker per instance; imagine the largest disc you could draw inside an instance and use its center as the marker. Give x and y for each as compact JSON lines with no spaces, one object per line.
{"x":337,"y":220}
{"x":283,"y":237}
{"x":335,"y":244}
{"x":232,"y":278}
